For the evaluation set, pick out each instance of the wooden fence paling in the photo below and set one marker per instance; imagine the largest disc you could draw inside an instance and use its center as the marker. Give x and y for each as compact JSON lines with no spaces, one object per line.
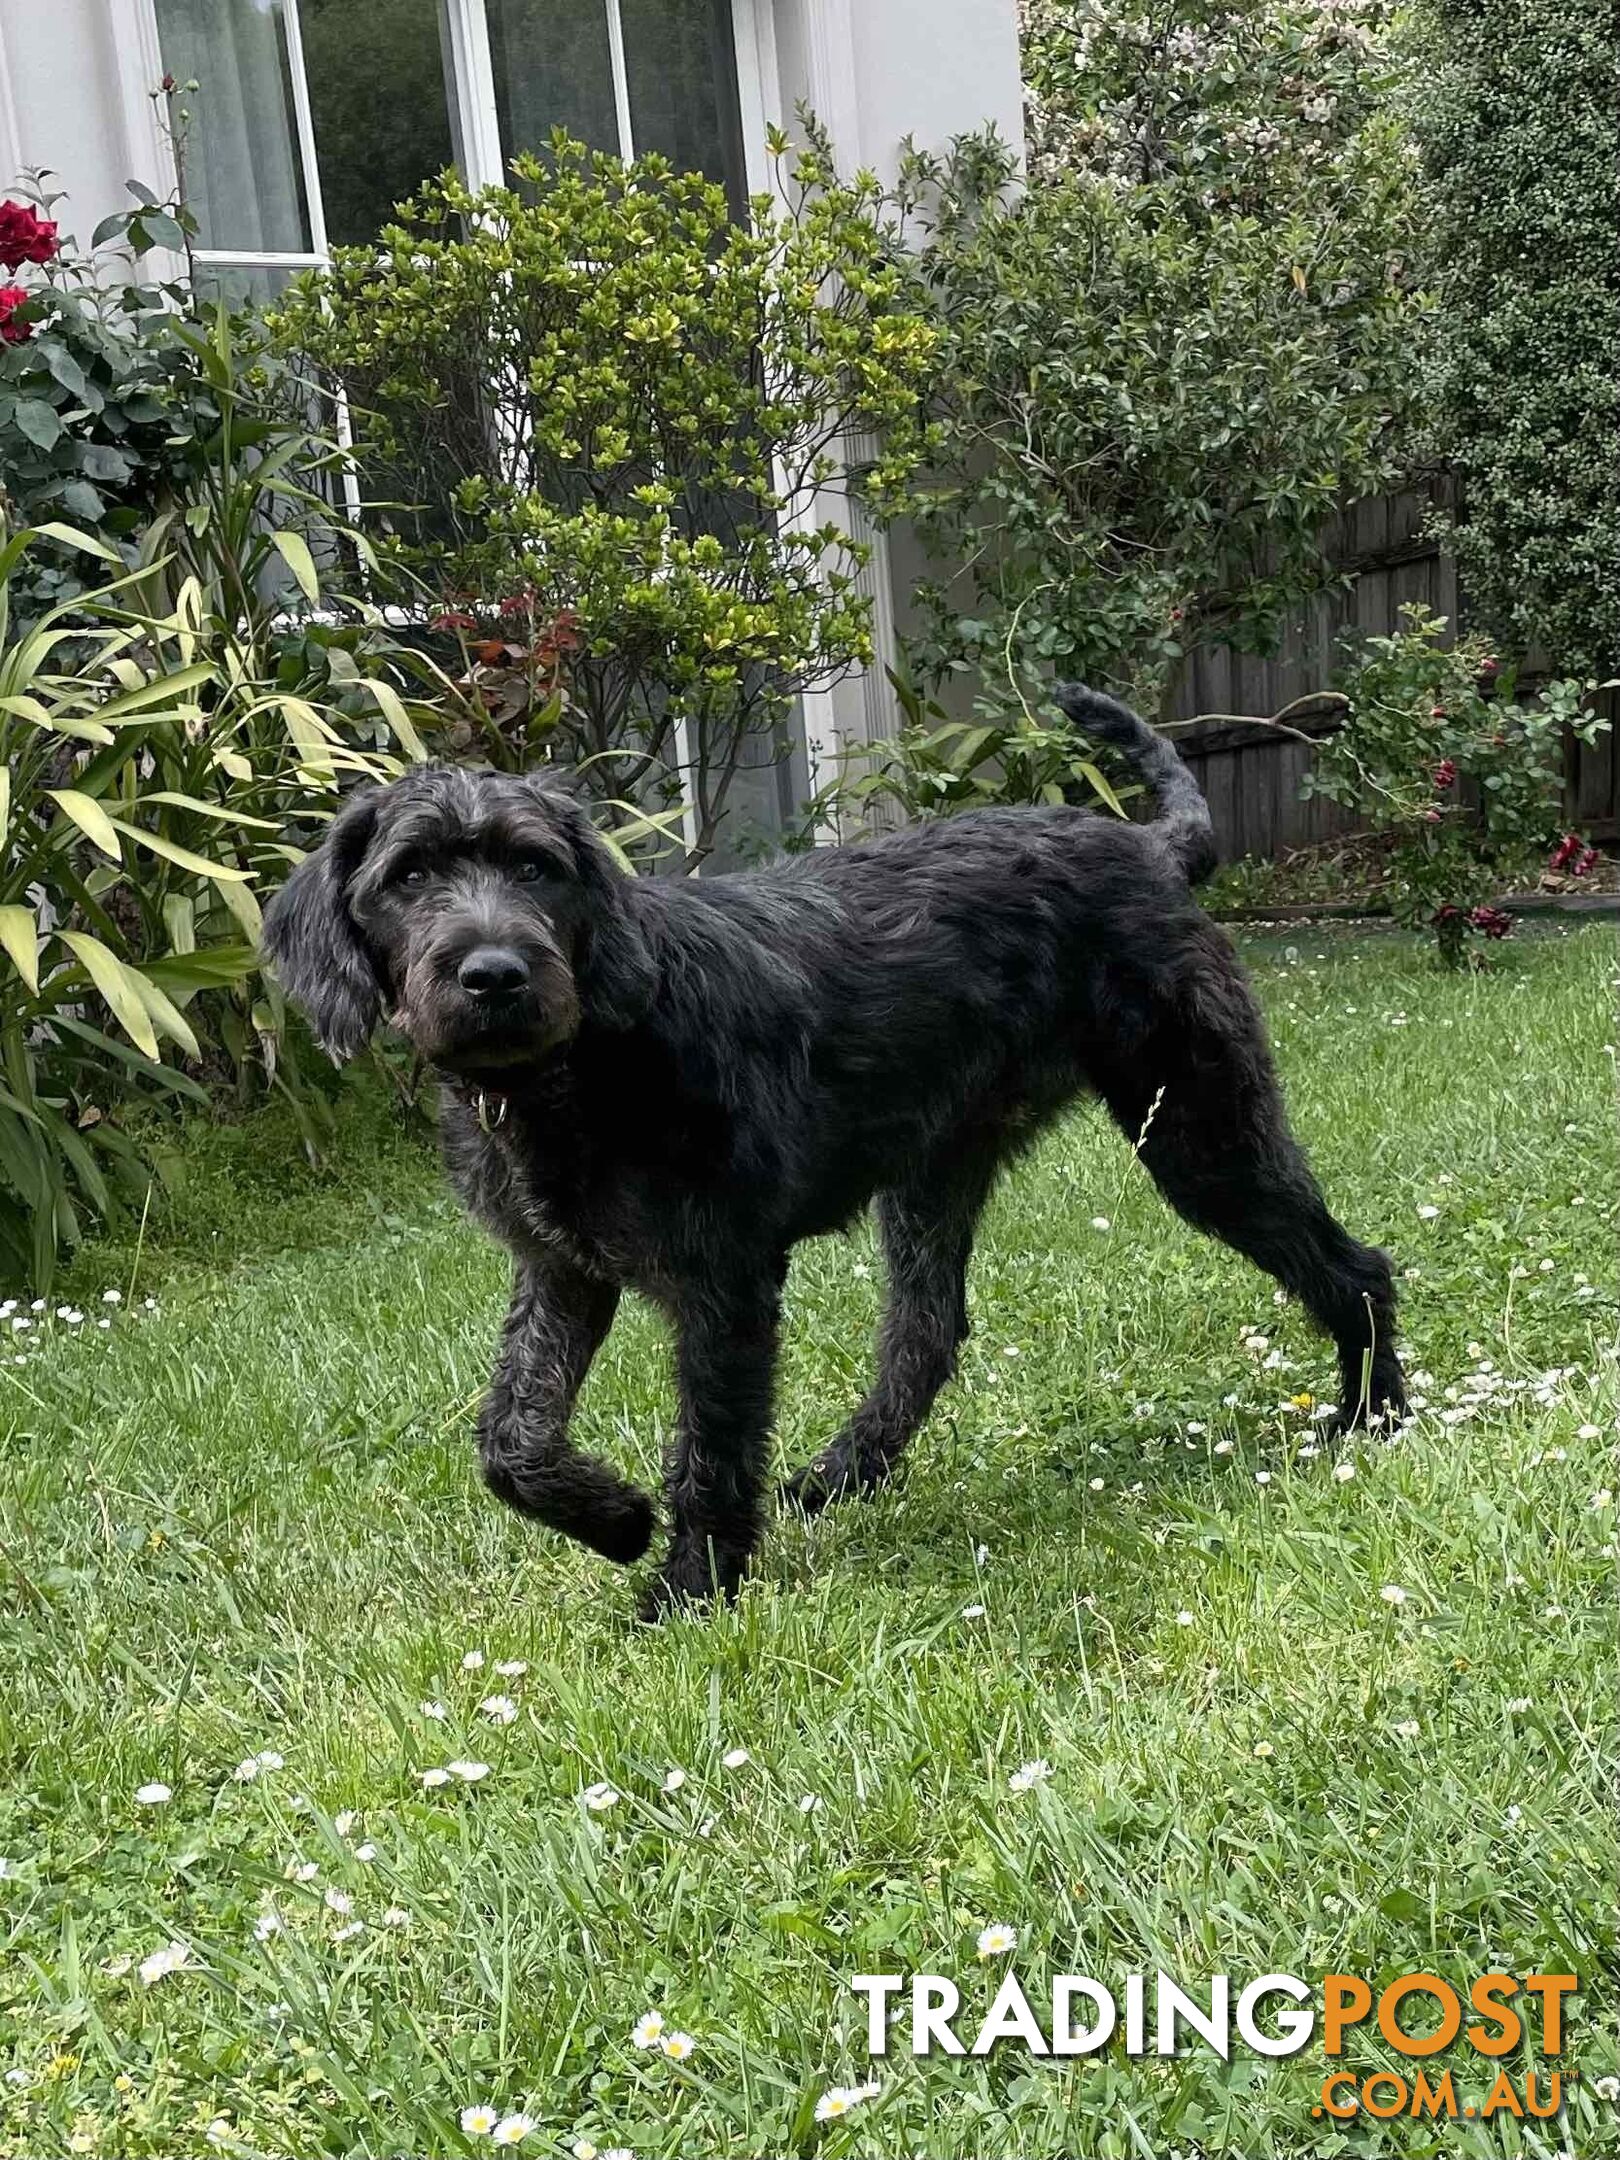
{"x":1252,"y":778}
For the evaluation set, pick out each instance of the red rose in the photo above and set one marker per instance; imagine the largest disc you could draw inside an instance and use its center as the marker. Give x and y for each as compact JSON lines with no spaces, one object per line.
{"x":1437,"y":712}
{"x":1566,"y":851}
{"x":1491,"y":922}
{"x":25,"y":237}
{"x":12,"y":332}
{"x":1586,"y":862}
{"x":1445,"y":774}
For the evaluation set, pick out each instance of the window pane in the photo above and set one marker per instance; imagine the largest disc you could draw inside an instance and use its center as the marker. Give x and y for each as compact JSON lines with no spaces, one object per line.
{"x":683,"y":87}
{"x":242,"y":176}
{"x":552,"y":69}
{"x":382,"y":116}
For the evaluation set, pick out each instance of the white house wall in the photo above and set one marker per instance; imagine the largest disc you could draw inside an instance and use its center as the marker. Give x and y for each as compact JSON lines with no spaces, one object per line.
{"x":73,"y":78}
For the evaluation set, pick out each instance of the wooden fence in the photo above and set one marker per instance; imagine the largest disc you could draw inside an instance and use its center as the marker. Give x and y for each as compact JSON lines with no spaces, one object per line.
{"x":1251,"y":775}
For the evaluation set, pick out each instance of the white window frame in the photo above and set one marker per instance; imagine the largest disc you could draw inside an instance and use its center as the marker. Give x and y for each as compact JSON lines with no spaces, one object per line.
{"x":476,"y":137}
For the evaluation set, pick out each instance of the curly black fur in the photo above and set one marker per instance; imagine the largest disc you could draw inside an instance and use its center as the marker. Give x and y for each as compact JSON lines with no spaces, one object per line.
{"x":664,"y":1084}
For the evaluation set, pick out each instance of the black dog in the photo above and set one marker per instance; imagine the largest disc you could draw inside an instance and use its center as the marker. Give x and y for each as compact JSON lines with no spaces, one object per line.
{"x":666,"y":1083}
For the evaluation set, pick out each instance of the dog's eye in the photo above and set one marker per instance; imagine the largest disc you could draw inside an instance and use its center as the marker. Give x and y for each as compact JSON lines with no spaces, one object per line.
{"x":413,"y":875}
{"x":531,"y":870}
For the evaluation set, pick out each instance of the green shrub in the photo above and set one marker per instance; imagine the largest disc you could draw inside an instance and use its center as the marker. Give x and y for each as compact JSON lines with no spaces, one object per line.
{"x":1437,"y":753}
{"x":1166,"y":360}
{"x":92,"y":428}
{"x":1519,"y":116}
{"x":621,"y":414}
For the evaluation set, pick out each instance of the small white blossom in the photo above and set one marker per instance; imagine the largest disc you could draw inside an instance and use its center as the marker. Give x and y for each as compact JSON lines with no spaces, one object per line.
{"x":648,"y":2029}
{"x":972,"y":1612}
{"x":433,"y":1709}
{"x":499,"y":1709}
{"x":1408,"y":1729}
{"x":734,"y":1758}
{"x":473,"y":1661}
{"x":1344,"y":1472}
{"x":997,"y":1940}
{"x":158,"y":1964}
{"x":1101,"y":1222}
{"x":1264,"y":1750}
{"x":512,"y":2129}
{"x":344,"y":1821}
{"x":478,"y":2121}
{"x":599,"y":1798}
{"x":1030,"y":1774}
{"x":809,"y":1802}
{"x":674,"y":1779}
{"x":112,"y":1297}
{"x":365,"y":1853}
{"x":469,"y":1772}
{"x":434,"y":1777}
{"x":153,"y":1795}
{"x":349,"y":1931}
{"x":338,"y":1901}
{"x":1184,"y":1618}
{"x":267,"y":1924}
{"x":1427,"y":1212}
{"x":678,"y":2046}
{"x":1393,"y":1594}
{"x":395,"y":1916}
{"x":512,"y":1668}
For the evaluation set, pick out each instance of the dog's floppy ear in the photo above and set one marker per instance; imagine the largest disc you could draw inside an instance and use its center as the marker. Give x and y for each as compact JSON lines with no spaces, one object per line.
{"x":614,"y":965}
{"x":310,"y":935}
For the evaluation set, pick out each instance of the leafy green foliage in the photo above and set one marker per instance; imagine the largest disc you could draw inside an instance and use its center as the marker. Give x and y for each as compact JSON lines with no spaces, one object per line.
{"x":96,"y":426}
{"x":933,"y":764}
{"x":1167,"y":359}
{"x":1466,"y":781}
{"x":606,"y":404}
{"x":1519,"y":117}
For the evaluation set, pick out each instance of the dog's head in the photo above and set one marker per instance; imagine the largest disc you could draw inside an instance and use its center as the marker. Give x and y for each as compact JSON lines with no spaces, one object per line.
{"x":479,"y":912}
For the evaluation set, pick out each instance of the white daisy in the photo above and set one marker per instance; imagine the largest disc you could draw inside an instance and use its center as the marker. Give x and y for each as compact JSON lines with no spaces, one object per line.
{"x":1427,"y":1212}
{"x":1408,"y":1729}
{"x":366,"y":1853}
{"x":674,"y":1779}
{"x":512,"y":1668}
{"x":301,"y":1870}
{"x":478,"y":2121}
{"x":473,"y":1661}
{"x":434,"y":1777}
{"x":153,"y":1795}
{"x":1264,"y":1750}
{"x":267,"y":1924}
{"x":649,"y":2029}
{"x":678,"y":2046}
{"x":1184,"y":1618}
{"x":972,"y":1612}
{"x":512,"y":2129}
{"x":432,"y":1708}
{"x":1030,"y":1774}
{"x":268,"y":1759}
{"x":348,"y":1931}
{"x":469,"y":1772}
{"x":344,"y":1821}
{"x":997,"y":1940}
{"x":158,"y":1964}
{"x":396,"y":1916}
{"x":1098,"y":1222}
{"x":734,"y":1758}
{"x":338,"y":1901}
{"x":599,"y":1798}
{"x":1343,"y":1472}
{"x":1393,"y":1594}
{"x":499,"y":1709}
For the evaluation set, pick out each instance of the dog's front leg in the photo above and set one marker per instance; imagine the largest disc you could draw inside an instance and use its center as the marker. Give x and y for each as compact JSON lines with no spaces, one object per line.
{"x":725,"y":1370}
{"x":554,"y":1327}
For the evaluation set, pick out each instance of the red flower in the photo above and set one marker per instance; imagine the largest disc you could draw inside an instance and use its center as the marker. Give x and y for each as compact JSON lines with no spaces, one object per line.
{"x":519,"y":603}
{"x":1437,"y":712}
{"x":12,"y":332}
{"x":1445,"y":774}
{"x":453,"y":619}
{"x":25,"y":237}
{"x":168,"y":86}
{"x":1565,"y":852}
{"x":1586,"y":863}
{"x":1431,"y":817}
{"x":1491,"y":922}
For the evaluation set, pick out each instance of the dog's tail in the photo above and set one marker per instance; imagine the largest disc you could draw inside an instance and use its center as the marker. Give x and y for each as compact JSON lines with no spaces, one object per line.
{"x":1183,"y":822}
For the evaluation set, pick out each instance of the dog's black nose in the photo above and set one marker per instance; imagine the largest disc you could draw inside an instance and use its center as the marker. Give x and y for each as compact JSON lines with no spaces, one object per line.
{"x":492,"y":971}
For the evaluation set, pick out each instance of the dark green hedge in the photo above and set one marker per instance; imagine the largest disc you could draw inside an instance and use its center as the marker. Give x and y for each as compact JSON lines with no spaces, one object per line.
{"x":1520,"y":122}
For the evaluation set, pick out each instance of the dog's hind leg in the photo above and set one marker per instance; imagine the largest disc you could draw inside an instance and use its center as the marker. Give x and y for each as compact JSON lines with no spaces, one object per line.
{"x":554,"y":1327}
{"x":1201,"y":1103}
{"x":725,"y":1371}
{"x":927,"y":1231}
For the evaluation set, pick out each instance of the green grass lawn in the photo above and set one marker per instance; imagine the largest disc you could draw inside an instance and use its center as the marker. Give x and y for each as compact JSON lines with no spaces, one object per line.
{"x":246,"y":1521}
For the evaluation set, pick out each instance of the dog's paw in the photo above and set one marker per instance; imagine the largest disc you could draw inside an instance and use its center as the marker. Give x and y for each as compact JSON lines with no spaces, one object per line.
{"x":624,"y":1530}
{"x":689,"y":1579}
{"x":809,"y":1490}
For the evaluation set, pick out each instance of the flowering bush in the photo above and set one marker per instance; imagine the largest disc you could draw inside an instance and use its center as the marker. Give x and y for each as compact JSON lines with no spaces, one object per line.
{"x":1468,"y":781}
{"x":604,"y":403}
{"x":1173,"y":354}
{"x":88,"y":368}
